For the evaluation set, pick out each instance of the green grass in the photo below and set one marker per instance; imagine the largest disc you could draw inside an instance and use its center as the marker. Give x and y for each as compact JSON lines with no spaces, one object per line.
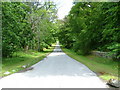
{"x":21,"y":58}
{"x":105,"y":68}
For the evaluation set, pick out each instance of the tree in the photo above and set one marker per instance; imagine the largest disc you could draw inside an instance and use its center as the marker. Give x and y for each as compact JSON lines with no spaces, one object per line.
{"x":92,"y":26}
{"x":27,"y":25}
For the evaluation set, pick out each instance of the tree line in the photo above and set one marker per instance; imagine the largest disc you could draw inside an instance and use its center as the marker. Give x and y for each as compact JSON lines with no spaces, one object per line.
{"x":27,"y":25}
{"x":92,"y":26}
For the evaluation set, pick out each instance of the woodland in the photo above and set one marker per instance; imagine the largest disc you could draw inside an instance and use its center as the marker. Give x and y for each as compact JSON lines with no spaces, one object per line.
{"x":29,"y":29}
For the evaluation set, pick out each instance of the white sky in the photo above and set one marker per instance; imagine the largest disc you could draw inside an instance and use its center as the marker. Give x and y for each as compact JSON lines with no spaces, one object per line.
{"x":64,"y":6}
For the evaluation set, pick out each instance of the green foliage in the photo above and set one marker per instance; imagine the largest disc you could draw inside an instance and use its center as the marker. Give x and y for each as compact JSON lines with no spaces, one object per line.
{"x":64,"y":34}
{"x":115,"y":50}
{"x":13,"y":23}
{"x":27,"y":26}
{"x":92,"y":26}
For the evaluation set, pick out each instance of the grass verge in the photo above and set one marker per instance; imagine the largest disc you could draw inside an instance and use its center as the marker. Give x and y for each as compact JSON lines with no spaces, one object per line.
{"x":21,"y":58}
{"x":104,"y":68}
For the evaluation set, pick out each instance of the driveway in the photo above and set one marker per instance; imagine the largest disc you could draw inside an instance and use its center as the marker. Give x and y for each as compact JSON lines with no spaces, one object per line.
{"x":57,"y":70}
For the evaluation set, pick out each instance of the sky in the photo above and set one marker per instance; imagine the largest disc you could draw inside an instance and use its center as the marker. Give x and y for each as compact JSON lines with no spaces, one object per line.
{"x":64,"y":6}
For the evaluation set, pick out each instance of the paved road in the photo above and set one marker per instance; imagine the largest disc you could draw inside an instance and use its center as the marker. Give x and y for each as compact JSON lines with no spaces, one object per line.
{"x":57,"y":70}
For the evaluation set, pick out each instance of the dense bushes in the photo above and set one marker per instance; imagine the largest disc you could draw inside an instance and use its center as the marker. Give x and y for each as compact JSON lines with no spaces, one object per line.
{"x":92,"y":26}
